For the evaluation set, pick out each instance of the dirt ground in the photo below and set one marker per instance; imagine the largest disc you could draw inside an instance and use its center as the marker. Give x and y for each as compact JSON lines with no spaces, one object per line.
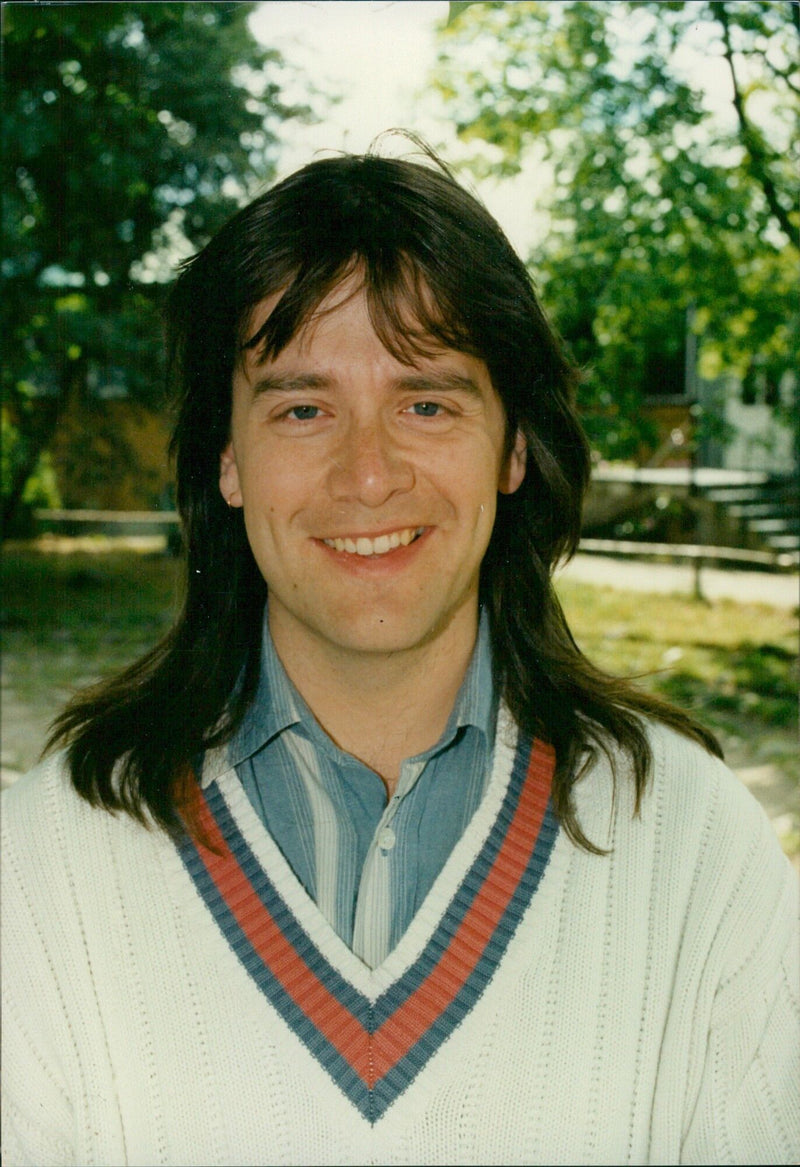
{"x":779,"y":590}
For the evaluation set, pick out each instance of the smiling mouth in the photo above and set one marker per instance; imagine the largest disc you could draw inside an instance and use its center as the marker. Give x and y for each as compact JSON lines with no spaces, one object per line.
{"x":381,"y":545}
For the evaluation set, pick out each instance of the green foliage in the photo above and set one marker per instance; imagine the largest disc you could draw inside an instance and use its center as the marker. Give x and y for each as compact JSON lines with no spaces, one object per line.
{"x":41,"y":488}
{"x":659,"y":203}
{"x":131,"y":131}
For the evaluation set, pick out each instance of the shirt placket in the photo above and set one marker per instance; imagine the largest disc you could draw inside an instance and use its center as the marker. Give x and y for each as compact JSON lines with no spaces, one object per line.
{"x":383,"y":890}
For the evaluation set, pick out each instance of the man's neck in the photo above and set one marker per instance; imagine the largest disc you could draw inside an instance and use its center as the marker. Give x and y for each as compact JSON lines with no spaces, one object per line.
{"x":385,"y":707}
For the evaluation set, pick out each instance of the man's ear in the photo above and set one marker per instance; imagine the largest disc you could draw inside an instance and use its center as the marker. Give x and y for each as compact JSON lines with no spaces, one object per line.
{"x":513,"y":472}
{"x":229,"y":477}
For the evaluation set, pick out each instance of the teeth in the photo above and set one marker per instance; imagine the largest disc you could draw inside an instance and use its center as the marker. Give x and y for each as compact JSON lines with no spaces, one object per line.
{"x":379,"y":546}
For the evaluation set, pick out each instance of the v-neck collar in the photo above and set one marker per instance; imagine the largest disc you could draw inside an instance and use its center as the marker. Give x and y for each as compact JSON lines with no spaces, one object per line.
{"x":374,"y":1031}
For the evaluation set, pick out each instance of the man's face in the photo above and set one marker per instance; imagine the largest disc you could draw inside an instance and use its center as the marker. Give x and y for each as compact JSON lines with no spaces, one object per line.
{"x":369,"y":486}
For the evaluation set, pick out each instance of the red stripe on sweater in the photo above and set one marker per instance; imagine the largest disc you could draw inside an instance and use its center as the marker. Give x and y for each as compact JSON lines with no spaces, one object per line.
{"x":373,"y":1056}
{"x":337,"y":1023}
{"x":405,"y":1027}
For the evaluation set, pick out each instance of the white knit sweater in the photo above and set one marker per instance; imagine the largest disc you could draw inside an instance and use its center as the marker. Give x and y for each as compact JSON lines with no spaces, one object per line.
{"x":547,"y":1005}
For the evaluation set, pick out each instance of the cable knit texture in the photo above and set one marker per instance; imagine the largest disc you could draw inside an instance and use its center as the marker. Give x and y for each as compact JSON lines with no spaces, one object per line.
{"x":634,"y":1007}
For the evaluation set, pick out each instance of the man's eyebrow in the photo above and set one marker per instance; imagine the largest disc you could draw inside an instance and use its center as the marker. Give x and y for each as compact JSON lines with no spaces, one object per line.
{"x":438,"y":382}
{"x":289,"y":383}
{"x":444,"y":381}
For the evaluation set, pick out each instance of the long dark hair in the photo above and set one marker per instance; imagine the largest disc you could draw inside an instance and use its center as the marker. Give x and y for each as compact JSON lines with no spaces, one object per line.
{"x":436,"y":269}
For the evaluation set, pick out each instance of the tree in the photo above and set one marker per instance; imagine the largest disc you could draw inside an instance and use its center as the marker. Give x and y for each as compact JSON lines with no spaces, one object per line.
{"x":664,"y":204}
{"x":131,"y":131}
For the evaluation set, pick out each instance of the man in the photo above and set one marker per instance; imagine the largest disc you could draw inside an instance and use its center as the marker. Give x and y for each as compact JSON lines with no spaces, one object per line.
{"x":366,"y":863}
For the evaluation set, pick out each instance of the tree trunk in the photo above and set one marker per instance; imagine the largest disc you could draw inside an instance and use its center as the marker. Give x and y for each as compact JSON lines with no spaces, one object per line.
{"x":38,"y":434}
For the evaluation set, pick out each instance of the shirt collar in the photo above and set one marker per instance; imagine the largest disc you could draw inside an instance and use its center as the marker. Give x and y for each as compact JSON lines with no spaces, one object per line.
{"x":277,"y":705}
{"x":475,"y":703}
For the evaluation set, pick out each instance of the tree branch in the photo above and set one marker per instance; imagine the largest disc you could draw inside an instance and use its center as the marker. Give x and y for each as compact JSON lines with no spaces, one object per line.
{"x":750,"y":135}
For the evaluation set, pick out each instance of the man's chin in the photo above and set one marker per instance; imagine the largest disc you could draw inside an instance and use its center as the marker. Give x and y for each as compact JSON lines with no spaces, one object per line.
{"x":361,"y":634}
{"x":382,"y":638}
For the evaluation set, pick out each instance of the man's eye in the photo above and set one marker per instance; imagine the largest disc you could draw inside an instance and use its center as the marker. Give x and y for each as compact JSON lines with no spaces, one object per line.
{"x":426,"y":408}
{"x":302,"y":412}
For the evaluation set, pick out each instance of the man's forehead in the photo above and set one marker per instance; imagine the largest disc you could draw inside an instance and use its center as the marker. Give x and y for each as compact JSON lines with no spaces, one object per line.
{"x":405,"y":335}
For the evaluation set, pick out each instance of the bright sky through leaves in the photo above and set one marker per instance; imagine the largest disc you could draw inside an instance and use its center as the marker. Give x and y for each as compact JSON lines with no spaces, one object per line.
{"x":376,"y":57}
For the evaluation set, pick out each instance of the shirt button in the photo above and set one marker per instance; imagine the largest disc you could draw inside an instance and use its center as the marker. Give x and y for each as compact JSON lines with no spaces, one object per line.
{"x":386,"y":839}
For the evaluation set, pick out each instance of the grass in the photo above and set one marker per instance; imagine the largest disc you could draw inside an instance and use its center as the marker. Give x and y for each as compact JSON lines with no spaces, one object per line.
{"x":722,"y":661}
{"x":733,"y":666}
{"x":70,"y":619}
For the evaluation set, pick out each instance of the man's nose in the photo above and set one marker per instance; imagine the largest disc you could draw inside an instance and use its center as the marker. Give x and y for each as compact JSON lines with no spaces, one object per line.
{"x":368,"y":466}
